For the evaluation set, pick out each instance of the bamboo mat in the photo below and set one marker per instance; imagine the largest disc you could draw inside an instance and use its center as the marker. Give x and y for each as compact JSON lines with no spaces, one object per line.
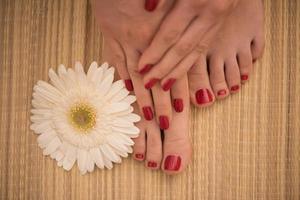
{"x":246,"y":147}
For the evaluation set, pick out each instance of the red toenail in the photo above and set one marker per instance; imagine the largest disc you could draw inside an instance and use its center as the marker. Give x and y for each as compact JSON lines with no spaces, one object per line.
{"x":222,"y":92}
{"x":235,"y":88}
{"x":152,"y":164}
{"x":204,"y":96}
{"x":150,"y":5}
{"x":128,"y":84}
{"x":244,"y":77}
{"x":148,"y":114}
{"x":146,"y":69}
{"x":163,"y":122}
{"x":139,"y":156}
{"x":151,"y":83}
{"x":168,"y":84}
{"x":172,"y":163}
{"x":178,"y":105}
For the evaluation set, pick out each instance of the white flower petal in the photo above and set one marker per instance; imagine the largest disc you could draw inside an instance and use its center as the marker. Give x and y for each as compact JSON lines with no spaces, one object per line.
{"x":104,"y":66}
{"x":81,"y":160}
{"x":122,"y":122}
{"x":128,"y":130}
{"x":107,"y":163}
{"x":109,"y":153}
{"x":56,"y":81}
{"x":130,"y":99}
{"x":124,"y":138}
{"x":89,"y":163}
{"x":116,"y":87}
{"x":61,"y":70}
{"x":116,"y":107}
{"x":105,"y":85}
{"x":52,"y":146}
{"x":92,"y":69}
{"x":120,"y":96}
{"x":45,"y":138}
{"x":96,"y":78}
{"x":70,"y":158}
{"x":132,"y":117}
{"x":97,"y":157}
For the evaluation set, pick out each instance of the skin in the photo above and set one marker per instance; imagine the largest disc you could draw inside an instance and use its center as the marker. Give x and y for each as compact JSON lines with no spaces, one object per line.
{"x":183,"y":36}
{"x":230,"y":56}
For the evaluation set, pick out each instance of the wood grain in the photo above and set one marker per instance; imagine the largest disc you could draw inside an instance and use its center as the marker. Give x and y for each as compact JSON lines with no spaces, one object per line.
{"x":246,"y":147}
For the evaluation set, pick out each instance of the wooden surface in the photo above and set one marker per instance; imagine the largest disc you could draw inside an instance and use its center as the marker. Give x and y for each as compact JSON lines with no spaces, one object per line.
{"x":246,"y":147}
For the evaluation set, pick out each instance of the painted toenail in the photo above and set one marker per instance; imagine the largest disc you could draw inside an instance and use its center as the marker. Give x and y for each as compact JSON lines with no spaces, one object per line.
{"x":146,"y":69}
{"x":163,"y":122}
{"x":168,"y":84}
{"x":235,"y":88}
{"x":222,"y":92}
{"x":148,"y":114}
{"x":151,"y":83}
{"x":204,"y":96}
{"x":139,"y":156}
{"x":128,"y":85}
{"x":152,"y":164}
{"x":150,"y":5}
{"x":172,"y":163}
{"x":178,"y":105}
{"x":244,"y":77}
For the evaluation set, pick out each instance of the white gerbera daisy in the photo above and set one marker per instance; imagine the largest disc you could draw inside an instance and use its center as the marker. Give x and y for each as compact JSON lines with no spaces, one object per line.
{"x":84,"y":117}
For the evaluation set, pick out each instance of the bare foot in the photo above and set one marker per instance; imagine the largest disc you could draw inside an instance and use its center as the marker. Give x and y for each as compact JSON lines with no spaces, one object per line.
{"x":230,"y":58}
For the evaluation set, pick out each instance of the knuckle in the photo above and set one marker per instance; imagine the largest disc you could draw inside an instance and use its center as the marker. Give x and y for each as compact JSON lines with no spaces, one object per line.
{"x":170,"y":37}
{"x":183,"y":49}
{"x":201,"y":48}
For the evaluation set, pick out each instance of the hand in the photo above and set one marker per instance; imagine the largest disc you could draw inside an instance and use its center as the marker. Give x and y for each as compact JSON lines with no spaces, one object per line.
{"x":128,"y":30}
{"x":184,"y":34}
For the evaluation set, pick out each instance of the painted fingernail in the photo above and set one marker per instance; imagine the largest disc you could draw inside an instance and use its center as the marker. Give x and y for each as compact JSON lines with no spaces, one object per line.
{"x":163,"y":122}
{"x":152,"y":164}
{"x":178,"y":105}
{"x":151,"y":83}
{"x":150,"y":5}
{"x":128,"y":85}
{"x":244,"y":77}
{"x":148,"y":114}
{"x":235,"y":88}
{"x":168,"y":84}
{"x":145,"y":69}
{"x":172,"y":163}
{"x":222,"y":92}
{"x":204,"y":96}
{"x":139,"y":156}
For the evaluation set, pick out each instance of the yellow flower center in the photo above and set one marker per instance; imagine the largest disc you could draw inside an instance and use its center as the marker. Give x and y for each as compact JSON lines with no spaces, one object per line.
{"x":83,"y":117}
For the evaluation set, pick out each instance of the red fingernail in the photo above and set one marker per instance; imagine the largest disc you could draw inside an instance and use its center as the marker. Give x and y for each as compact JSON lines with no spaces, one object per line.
{"x":172,"y":163}
{"x":145,"y":69}
{"x":150,"y":5}
{"x":128,"y":85}
{"x":204,"y":96}
{"x":222,"y":92}
{"x":151,"y":83}
{"x":139,"y":156}
{"x":163,"y":122}
{"x":235,"y":88}
{"x":148,"y":114}
{"x":168,"y":84}
{"x":152,"y":164}
{"x":244,"y":77}
{"x":178,"y":105}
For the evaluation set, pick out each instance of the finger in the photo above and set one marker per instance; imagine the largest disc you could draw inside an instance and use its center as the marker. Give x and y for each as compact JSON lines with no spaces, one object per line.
{"x":179,"y":70}
{"x":143,"y":96}
{"x":162,"y":106}
{"x":180,"y":94}
{"x":114,"y":55}
{"x":184,"y":46}
{"x":166,"y":36}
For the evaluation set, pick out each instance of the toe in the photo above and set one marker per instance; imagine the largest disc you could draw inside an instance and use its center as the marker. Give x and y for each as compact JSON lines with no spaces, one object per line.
{"x":217,"y":77}
{"x":245,"y":63}
{"x":154,"y":146}
{"x":201,"y":93}
{"x":139,"y":147}
{"x":232,"y":73}
{"x":257,"y":47}
{"x":177,"y":147}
